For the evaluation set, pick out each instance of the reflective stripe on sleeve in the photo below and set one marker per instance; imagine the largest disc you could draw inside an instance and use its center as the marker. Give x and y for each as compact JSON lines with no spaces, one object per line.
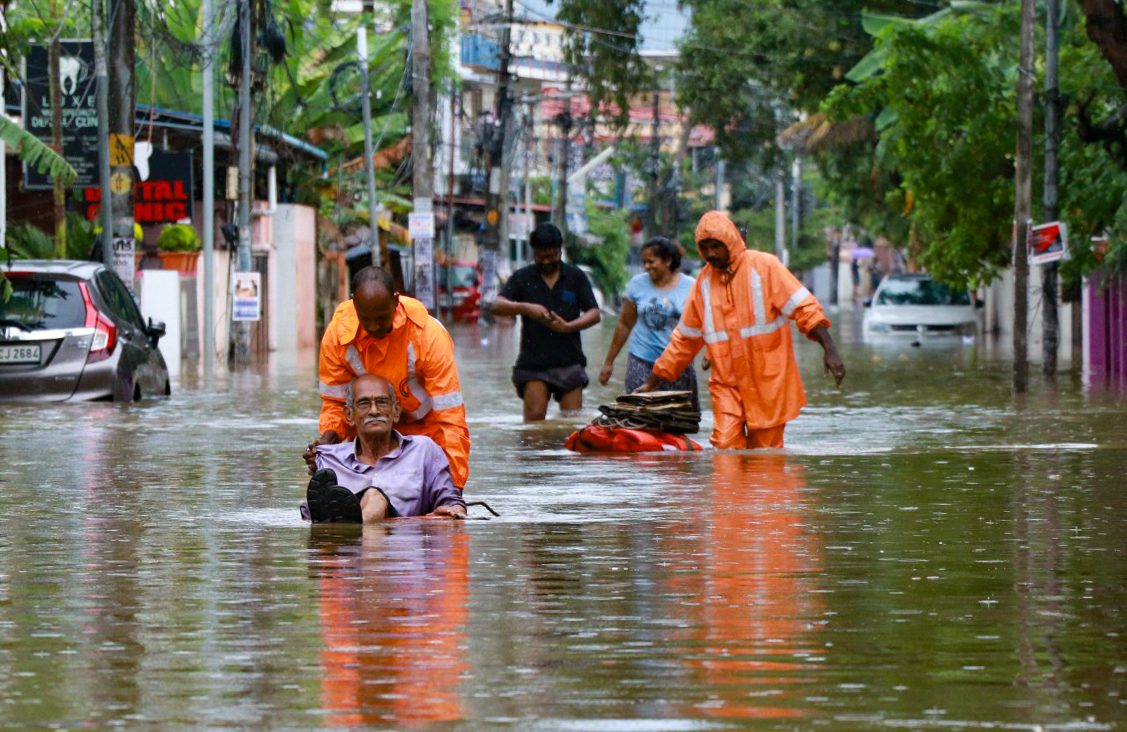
{"x":334,"y":391}
{"x":795,"y":300}
{"x":710,"y":334}
{"x":757,"y":297}
{"x":688,"y":332}
{"x":416,"y":389}
{"x":447,"y":401}
{"x":354,"y":362}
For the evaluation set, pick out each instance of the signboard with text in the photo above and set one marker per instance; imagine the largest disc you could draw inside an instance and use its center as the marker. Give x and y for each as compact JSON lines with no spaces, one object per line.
{"x":162,"y":187}
{"x":79,"y":111}
{"x":123,"y":261}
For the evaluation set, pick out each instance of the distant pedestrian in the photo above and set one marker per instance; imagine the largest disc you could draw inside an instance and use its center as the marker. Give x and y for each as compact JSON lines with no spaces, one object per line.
{"x":555,"y":302}
{"x":652,"y":308}
{"x":740,"y":307}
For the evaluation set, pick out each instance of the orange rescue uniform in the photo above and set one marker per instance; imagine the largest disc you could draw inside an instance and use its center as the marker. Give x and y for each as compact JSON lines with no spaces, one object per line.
{"x":742,"y":315}
{"x":417,"y":356}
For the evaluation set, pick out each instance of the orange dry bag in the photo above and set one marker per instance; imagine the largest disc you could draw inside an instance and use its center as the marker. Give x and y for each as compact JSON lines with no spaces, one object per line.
{"x":597,"y":438}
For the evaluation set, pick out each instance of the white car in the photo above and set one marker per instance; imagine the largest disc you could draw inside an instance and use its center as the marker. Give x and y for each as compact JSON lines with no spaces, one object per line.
{"x":916,"y":308}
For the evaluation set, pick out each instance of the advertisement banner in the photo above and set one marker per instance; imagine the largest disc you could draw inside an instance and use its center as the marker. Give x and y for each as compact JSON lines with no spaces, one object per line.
{"x":123,"y":261}
{"x":1048,"y":242}
{"x":247,"y":302}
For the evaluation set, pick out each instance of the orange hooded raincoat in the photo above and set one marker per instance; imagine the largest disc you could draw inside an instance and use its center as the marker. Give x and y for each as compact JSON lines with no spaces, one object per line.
{"x":741,"y":315}
{"x":417,"y":356}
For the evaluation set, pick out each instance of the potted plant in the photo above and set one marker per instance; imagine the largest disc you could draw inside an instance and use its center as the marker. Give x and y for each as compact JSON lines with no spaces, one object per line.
{"x":179,"y":247}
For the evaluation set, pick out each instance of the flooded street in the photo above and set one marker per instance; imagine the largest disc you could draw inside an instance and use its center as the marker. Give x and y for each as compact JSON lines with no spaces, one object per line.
{"x":926,"y":554}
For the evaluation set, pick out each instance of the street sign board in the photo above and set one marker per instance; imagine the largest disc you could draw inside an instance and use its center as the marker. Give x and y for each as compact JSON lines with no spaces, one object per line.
{"x":79,"y":111}
{"x":1048,"y":242}
{"x":248,"y":298}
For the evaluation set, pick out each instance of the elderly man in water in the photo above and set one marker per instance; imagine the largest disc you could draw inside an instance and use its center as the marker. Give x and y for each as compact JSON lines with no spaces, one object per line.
{"x":381,"y":474}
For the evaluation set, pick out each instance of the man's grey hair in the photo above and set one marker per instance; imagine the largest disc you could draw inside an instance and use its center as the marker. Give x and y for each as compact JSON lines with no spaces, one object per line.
{"x":348,"y":391}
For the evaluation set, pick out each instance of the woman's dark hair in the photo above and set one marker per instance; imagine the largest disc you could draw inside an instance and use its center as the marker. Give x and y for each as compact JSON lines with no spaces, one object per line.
{"x":665,"y":249}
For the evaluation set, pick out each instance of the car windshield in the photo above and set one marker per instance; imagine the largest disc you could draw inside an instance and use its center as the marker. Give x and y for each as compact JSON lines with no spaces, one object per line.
{"x":460,"y":275}
{"x":41,"y":303}
{"x":919,"y":292}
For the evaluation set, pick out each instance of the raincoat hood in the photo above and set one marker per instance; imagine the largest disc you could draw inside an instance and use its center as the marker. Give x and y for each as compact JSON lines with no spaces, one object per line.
{"x":716,"y":225}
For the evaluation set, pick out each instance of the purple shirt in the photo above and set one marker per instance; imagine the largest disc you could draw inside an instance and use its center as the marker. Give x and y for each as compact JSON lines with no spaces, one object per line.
{"x":415,"y":476}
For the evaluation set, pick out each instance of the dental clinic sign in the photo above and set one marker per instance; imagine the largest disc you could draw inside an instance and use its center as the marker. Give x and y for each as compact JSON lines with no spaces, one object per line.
{"x":80,"y":116}
{"x":162,"y":191}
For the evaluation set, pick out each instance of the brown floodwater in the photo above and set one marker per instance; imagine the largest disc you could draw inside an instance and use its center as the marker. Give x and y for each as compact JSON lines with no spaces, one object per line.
{"x":927,"y":553}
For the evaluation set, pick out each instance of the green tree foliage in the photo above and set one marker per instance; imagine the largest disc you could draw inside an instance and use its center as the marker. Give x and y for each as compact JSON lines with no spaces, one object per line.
{"x":744,"y":66}
{"x":607,"y":257}
{"x":944,"y":104}
{"x":607,"y":54}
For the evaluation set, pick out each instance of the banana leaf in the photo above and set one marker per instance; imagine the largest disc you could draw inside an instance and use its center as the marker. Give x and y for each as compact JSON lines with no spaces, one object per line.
{"x":34,"y":152}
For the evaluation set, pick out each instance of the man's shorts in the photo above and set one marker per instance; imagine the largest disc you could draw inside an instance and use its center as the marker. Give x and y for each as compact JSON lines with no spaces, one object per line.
{"x":560,"y":380}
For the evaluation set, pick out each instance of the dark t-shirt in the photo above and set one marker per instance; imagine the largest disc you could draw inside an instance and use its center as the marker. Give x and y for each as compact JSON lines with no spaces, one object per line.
{"x":540,"y":347}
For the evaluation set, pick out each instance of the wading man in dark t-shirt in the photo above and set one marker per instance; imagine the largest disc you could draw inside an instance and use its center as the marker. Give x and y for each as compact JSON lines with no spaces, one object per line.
{"x":555,"y":302}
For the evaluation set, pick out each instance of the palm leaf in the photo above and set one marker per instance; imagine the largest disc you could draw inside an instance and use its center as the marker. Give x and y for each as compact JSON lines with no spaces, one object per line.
{"x":34,"y":152}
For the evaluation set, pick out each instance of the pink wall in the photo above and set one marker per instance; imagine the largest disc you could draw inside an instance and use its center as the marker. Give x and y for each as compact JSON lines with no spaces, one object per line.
{"x":1107,"y":326}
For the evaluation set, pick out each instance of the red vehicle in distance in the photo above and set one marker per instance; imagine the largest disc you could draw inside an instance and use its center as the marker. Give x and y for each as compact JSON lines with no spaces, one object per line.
{"x":459,"y":289}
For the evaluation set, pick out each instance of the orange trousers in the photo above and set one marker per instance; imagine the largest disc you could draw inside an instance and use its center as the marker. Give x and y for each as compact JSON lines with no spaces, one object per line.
{"x":730,"y":433}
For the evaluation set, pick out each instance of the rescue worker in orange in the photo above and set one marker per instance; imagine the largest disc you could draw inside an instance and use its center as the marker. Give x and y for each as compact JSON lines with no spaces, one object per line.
{"x":381,"y":332}
{"x":740,"y":308}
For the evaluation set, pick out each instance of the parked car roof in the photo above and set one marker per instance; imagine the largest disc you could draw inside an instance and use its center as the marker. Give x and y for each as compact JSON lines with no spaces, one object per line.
{"x":75,"y":268}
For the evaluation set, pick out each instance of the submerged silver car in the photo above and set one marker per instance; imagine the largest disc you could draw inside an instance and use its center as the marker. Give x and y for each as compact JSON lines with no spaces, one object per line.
{"x":71,"y":331}
{"x":916,"y":308}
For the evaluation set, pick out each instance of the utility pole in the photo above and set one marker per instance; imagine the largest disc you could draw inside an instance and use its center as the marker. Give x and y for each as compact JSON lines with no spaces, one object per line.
{"x":369,"y":153}
{"x":451,"y":150}
{"x":1023,"y":198}
{"x":422,"y":184}
{"x":242,"y":327}
{"x":795,"y":201}
{"x":720,"y":165}
{"x":565,"y":122}
{"x":123,"y":106}
{"x":781,"y":214}
{"x":102,"y":102}
{"x":1050,"y":316}
{"x":655,"y":156}
{"x":495,"y":151}
{"x":54,"y":51}
{"x":208,"y":202}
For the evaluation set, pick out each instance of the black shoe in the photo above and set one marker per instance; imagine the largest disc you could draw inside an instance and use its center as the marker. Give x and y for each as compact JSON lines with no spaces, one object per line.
{"x":341,"y":506}
{"x":315,"y":494}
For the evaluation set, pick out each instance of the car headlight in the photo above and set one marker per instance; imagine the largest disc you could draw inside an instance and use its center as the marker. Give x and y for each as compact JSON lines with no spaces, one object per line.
{"x":879,"y":328}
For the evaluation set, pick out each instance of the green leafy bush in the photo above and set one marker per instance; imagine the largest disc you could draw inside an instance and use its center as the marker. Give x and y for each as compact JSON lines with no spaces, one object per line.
{"x":178,"y":238}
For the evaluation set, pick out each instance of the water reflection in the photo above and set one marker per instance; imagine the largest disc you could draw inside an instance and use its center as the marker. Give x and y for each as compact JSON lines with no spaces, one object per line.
{"x":393,"y":603}
{"x":751,"y":574}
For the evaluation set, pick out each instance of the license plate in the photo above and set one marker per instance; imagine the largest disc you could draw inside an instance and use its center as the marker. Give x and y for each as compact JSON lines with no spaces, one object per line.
{"x":19,"y":354}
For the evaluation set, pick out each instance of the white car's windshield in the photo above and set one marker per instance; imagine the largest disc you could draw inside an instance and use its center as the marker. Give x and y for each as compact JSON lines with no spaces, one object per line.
{"x":919,"y":292}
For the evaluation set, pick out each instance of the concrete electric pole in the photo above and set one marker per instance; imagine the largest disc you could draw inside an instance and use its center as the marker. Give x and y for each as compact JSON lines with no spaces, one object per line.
{"x":1023,"y":186}
{"x":422,"y":182}
{"x":123,"y":105}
